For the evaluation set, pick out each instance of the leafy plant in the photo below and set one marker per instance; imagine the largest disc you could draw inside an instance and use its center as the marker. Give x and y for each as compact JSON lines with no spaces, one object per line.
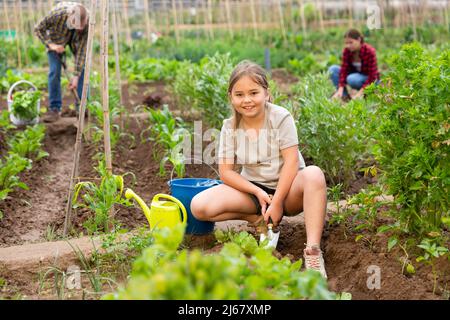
{"x":333,"y":135}
{"x":28,"y":143}
{"x":25,"y":104}
{"x":204,"y":87}
{"x":168,"y":132}
{"x":9,"y":168}
{"x":412,"y":139}
{"x":100,"y":199}
{"x":243,"y":270}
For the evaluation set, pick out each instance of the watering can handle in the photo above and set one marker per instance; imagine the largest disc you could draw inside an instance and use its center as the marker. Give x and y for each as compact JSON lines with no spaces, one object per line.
{"x":178,"y":202}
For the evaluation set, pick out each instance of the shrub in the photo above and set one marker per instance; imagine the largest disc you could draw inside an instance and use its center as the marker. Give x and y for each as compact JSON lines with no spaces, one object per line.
{"x":413,"y":136}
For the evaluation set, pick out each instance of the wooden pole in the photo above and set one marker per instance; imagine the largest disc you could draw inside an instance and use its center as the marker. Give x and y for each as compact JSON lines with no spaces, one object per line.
{"x":5,"y":9}
{"x":175,"y":21}
{"x":383,"y":22}
{"x":104,"y":82}
{"x":23,"y":32}
{"x":413,"y":20}
{"x":30,"y":16}
{"x":283,"y":28}
{"x":446,"y":14}
{"x":166,"y":17}
{"x":320,"y":7}
{"x":255,"y":23}
{"x":127,"y":24}
{"x":210,"y":20}
{"x":350,"y":13}
{"x":302,"y":16}
{"x":17,"y":28}
{"x":147,"y":20}
{"x":229,"y":21}
{"x":77,"y":152}
{"x":116,"y":53}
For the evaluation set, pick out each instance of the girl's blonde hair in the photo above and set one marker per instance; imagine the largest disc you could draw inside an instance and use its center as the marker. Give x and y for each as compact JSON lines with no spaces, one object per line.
{"x":256,"y":73}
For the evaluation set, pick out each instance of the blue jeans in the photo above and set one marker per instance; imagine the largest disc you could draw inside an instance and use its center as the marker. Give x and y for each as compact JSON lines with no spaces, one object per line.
{"x":354,"y":80}
{"x":54,"y":82}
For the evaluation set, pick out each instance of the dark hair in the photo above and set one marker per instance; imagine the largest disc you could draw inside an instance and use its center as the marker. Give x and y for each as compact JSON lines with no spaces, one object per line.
{"x":354,"y":34}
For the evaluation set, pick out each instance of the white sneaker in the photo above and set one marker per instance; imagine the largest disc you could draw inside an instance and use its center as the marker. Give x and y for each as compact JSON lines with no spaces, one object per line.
{"x":315,"y":262}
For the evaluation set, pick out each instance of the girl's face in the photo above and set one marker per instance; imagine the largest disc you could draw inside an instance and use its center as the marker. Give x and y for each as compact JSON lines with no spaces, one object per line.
{"x":248,"y":98}
{"x":352,"y":44}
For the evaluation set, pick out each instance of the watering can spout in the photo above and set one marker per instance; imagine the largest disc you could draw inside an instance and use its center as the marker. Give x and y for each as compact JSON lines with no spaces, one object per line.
{"x":130,"y":194}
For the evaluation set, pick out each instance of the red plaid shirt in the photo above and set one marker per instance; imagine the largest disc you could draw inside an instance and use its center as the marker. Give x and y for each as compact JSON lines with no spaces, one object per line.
{"x":369,"y":67}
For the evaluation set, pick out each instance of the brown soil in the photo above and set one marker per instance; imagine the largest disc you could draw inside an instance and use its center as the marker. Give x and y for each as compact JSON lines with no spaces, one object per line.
{"x":28,"y":214}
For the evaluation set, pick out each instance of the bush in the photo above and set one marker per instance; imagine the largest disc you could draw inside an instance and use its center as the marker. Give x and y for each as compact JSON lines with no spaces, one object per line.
{"x":413,"y":136}
{"x":334,"y":135}
{"x":242,"y":270}
{"x":204,"y":87}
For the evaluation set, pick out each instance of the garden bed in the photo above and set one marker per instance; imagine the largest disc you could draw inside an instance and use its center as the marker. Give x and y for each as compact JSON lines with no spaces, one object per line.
{"x":37,"y":215}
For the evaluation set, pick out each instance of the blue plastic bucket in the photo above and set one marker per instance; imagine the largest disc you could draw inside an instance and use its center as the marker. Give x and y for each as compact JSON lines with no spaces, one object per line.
{"x":184,"y":190}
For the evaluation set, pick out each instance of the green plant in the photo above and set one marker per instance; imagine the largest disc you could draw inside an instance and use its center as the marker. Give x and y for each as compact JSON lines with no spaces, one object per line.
{"x":412,"y":139}
{"x":12,"y":165}
{"x":432,"y":251}
{"x":243,"y":270}
{"x":169,"y":133}
{"x":25,"y":104}
{"x":100,"y":199}
{"x":204,"y":87}
{"x":333,"y":135}
{"x":28,"y":143}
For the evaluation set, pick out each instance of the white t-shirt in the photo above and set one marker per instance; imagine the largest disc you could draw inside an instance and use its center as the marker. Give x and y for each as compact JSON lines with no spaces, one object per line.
{"x":261,"y":157}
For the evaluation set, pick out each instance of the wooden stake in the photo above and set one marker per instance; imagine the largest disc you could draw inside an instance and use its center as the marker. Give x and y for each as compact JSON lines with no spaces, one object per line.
{"x":350,"y":13}
{"x":446,"y":14}
{"x":80,"y":129}
{"x":17,"y":28}
{"x":175,"y":21}
{"x":147,"y":20}
{"x":116,"y":53}
{"x":320,"y":5}
{"x":229,"y":21}
{"x":30,"y":16}
{"x":255,"y":23}
{"x":127,"y":24}
{"x":280,"y":11}
{"x":5,"y":9}
{"x":166,"y":17}
{"x":23,"y":41}
{"x":210,"y":19}
{"x":413,"y":20}
{"x":105,"y":84}
{"x":302,"y":16}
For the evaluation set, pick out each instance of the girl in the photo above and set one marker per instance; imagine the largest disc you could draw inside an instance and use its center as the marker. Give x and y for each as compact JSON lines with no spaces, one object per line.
{"x":262,"y":137}
{"x":359,"y":66}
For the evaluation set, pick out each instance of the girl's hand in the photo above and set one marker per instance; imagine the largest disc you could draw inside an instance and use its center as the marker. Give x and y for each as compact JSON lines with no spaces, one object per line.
{"x":264,"y":200}
{"x":275,"y":211}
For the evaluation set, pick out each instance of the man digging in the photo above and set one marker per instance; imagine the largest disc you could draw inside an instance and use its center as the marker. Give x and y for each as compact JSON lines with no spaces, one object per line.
{"x":66,"y":24}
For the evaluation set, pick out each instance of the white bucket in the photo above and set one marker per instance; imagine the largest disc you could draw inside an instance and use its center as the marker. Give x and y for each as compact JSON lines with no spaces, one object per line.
{"x":18,"y":121}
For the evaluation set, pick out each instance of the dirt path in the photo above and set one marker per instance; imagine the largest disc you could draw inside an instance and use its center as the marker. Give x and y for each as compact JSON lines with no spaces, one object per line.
{"x":48,"y":182}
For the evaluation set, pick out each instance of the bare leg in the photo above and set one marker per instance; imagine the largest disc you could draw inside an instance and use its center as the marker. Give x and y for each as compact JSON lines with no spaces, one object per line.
{"x":222,"y":203}
{"x":309,"y":193}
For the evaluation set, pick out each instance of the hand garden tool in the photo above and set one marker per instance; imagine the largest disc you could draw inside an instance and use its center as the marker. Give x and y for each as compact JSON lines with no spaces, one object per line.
{"x":162,"y":213}
{"x":271,"y":235}
{"x":62,"y":59}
